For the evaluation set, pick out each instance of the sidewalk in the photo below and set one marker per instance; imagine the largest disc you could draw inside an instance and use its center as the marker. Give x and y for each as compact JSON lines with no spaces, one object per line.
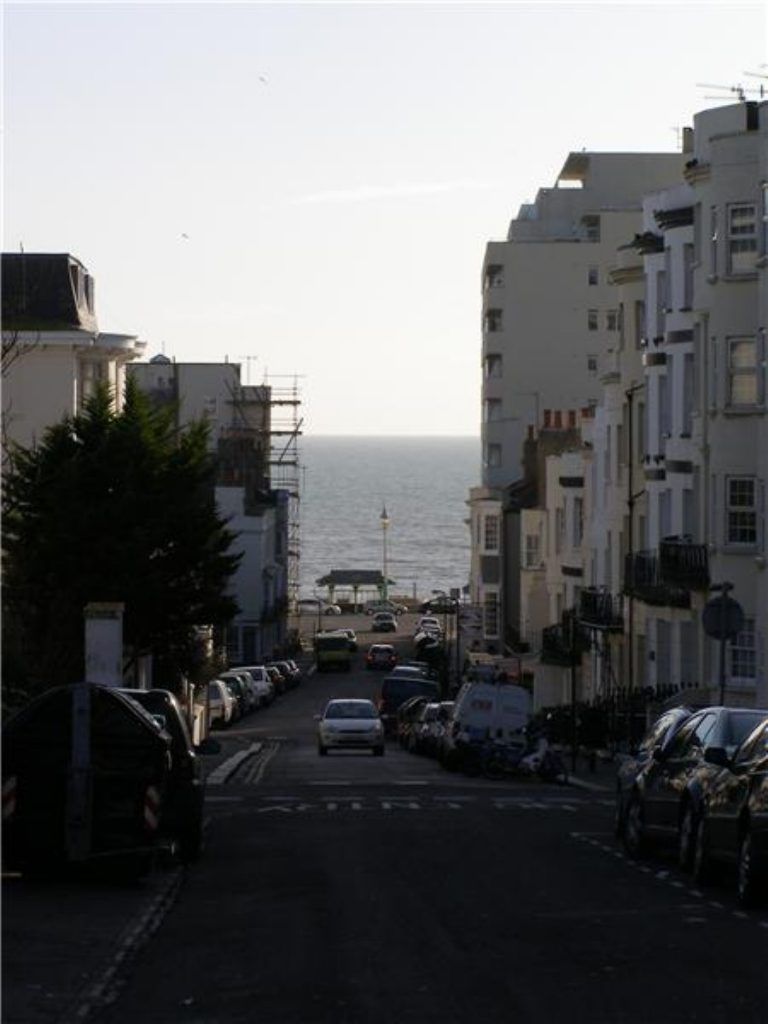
{"x":598,"y":775}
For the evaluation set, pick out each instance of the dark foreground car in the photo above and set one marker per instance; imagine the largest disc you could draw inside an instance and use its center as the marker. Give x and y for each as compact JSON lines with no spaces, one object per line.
{"x":182,"y":811}
{"x":658,"y":737}
{"x":732,"y":827}
{"x":395,"y":691}
{"x":666,"y":798}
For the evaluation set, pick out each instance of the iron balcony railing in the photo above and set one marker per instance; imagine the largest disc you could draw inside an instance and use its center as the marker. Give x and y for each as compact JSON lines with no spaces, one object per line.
{"x":643,"y":579}
{"x":564,"y":643}
{"x":683,"y":563}
{"x":599,"y":609}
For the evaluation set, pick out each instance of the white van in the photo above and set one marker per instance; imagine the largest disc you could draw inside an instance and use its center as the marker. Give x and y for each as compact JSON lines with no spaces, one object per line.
{"x":491,"y":710}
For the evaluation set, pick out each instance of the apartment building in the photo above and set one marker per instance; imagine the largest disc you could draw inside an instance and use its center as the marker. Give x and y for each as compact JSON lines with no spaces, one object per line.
{"x":548,"y":315}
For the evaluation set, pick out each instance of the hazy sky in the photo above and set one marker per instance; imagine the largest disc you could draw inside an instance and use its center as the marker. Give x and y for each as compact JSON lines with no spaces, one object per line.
{"x":337,"y":168}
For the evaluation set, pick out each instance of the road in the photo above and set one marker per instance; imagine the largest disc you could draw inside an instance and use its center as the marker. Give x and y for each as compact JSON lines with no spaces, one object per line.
{"x":359,"y":890}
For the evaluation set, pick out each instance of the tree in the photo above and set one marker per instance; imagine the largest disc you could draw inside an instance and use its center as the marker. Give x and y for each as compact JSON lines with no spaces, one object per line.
{"x":111,"y":506}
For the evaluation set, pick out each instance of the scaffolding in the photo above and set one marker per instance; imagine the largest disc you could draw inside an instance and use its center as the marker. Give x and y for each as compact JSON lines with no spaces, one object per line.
{"x":285,"y":464}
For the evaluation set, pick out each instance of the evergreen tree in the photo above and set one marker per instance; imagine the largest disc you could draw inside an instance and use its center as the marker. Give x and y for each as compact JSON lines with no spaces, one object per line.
{"x":111,"y":506}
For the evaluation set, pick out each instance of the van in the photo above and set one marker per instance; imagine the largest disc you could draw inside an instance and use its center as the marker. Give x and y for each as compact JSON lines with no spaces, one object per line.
{"x":491,"y":710}
{"x":395,"y":690}
{"x":332,"y":652}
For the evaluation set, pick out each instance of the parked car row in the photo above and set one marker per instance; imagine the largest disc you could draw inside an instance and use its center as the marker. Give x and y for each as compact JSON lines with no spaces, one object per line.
{"x":698,"y":784}
{"x":244,"y":689}
{"x":423,"y":726}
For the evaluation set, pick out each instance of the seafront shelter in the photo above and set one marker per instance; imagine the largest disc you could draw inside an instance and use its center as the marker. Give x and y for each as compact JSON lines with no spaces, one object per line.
{"x":364,"y":584}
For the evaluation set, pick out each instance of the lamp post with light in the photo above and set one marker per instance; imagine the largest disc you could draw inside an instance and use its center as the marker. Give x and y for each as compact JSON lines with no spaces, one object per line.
{"x":384,"y":519}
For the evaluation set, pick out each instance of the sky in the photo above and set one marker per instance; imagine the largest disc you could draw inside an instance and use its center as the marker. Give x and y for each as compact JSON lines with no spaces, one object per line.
{"x":308,"y":189}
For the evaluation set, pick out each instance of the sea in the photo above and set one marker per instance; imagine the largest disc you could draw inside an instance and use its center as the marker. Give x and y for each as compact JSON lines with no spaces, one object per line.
{"x":423,"y":482}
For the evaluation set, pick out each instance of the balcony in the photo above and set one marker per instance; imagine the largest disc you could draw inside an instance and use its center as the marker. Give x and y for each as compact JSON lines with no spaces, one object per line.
{"x":643,"y":579}
{"x":599,"y":609}
{"x":683,"y":563}
{"x":564,"y":643}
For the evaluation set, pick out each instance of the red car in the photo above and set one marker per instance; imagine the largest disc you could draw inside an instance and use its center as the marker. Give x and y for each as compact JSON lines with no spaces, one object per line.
{"x":381,"y":656}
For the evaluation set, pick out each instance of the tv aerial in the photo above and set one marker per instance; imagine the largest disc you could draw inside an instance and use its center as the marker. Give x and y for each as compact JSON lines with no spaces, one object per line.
{"x":741,"y":92}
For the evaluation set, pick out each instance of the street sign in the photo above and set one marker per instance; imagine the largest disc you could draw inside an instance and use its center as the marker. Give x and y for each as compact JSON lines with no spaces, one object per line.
{"x":722,"y":618}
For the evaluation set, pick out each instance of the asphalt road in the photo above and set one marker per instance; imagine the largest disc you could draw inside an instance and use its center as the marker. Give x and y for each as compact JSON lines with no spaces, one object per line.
{"x":358,"y":890}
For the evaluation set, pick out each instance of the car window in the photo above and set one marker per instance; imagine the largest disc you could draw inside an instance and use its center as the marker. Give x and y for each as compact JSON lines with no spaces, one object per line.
{"x":350,"y":709}
{"x":702,"y":732}
{"x":658,"y":731}
{"x":681,"y":741}
{"x":739,"y":726}
{"x":755,"y":747}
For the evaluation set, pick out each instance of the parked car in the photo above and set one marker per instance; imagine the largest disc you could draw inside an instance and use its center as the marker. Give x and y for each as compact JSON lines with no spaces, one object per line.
{"x":296,"y":668}
{"x":384,"y":622}
{"x":221,"y":704}
{"x":410,"y":671}
{"x":659,"y":735}
{"x":279,"y":681}
{"x":406,"y":717}
{"x":441,"y":603}
{"x":237,"y":686}
{"x":385,"y":606}
{"x":666,"y":799}
{"x":288,"y":672}
{"x":263,"y":685}
{"x":182,"y":808}
{"x":350,"y":724}
{"x":381,"y":656}
{"x":417,"y":740}
{"x":351,"y":637}
{"x":428,"y":624}
{"x":395,"y":690}
{"x":316,"y":605}
{"x":732,"y":826}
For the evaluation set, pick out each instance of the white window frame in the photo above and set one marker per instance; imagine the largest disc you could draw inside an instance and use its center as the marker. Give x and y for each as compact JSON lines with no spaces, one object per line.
{"x":741,"y":516}
{"x":532,"y":551}
{"x":493,"y":455}
{"x":493,"y":366}
{"x":490,"y":533}
{"x":743,"y":655}
{"x":592,"y":319}
{"x":740,"y":371}
{"x":741,"y":238}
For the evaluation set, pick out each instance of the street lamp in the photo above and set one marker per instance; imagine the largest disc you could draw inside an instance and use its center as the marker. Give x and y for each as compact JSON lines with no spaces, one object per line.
{"x":384,"y":520}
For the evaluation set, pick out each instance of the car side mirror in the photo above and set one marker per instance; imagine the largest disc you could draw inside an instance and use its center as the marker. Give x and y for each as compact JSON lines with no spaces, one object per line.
{"x":208,"y":746}
{"x":317,"y":717}
{"x":717,"y":756}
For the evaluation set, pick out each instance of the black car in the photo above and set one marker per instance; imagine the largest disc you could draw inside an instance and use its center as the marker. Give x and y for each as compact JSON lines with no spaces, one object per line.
{"x":395,"y":690}
{"x":182,"y":811}
{"x":407,"y":716}
{"x":441,"y":604}
{"x":657,"y":737}
{"x":666,"y":798}
{"x":732,"y":826}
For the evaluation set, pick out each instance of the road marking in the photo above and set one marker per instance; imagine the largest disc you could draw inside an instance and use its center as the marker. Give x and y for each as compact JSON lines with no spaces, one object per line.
{"x":222,"y":799}
{"x":389,"y":805}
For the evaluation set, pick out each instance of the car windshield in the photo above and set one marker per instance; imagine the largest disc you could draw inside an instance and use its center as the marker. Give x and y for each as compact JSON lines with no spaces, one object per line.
{"x":350,"y":709}
{"x":741,"y":725}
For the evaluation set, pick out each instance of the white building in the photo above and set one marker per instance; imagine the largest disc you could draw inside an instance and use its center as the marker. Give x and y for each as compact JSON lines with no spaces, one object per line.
{"x":53,"y":352}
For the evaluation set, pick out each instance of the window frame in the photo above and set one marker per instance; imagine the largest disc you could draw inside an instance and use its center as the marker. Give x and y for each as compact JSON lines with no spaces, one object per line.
{"x":736,"y":236}
{"x":734,"y":509}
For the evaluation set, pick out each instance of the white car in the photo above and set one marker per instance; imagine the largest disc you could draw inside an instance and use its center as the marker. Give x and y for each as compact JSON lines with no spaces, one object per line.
{"x":315,"y":606}
{"x":428,"y":624}
{"x":263,"y":686}
{"x":221,"y":703}
{"x":350,"y":724}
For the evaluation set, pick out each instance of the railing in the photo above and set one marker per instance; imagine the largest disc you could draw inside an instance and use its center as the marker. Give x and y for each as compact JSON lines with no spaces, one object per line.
{"x":643,"y":579}
{"x":683,"y":563}
{"x":564,"y":643}
{"x":601,"y":609}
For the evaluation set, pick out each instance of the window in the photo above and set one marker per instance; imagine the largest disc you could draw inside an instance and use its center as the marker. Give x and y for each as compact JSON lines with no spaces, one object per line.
{"x":742,"y":372}
{"x":688,"y":264}
{"x":578,"y":521}
{"x":559,"y":530}
{"x":689,"y":394}
{"x":742,"y":238}
{"x":764,"y":224}
{"x":492,"y":410}
{"x":532,"y":551}
{"x":493,"y":456}
{"x":661,"y":301}
{"x":744,"y":654}
{"x":592,"y":364}
{"x":493,"y":366}
{"x":592,"y":227}
{"x":592,"y":276}
{"x":612,"y":320}
{"x":92,"y":373}
{"x":741,"y":510}
{"x":491,"y":538}
{"x":592,"y":319}
{"x":494,"y":276}
{"x":491,"y":614}
{"x":713,"y":233}
{"x":492,"y":320}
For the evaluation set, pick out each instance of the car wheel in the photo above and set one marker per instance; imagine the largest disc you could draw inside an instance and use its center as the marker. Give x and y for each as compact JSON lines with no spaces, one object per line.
{"x":749,"y":887}
{"x":702,"y":864}
{"x":322,"y":751}
{"x":635,"y":842}
{"x":686,"y":837}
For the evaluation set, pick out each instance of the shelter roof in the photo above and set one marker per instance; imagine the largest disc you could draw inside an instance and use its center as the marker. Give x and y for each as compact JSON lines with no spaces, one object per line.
{"x":353,"y":578}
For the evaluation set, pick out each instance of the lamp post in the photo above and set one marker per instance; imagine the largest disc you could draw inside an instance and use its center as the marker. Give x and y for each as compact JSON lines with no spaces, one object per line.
{"x":384,"y":519}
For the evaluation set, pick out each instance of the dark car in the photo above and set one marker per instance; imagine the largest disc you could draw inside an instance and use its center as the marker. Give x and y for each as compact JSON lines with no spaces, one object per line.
{"x":381,"y":656}
{"x":407,"y":716}
{"x":395,"y":690}
{"x":182,"y":812}
{"x":442,"y":603}
{"x":666,"y":798}
{"x":658,"y":737}
{"x":289,"y":671}
{"x":732,"y":826}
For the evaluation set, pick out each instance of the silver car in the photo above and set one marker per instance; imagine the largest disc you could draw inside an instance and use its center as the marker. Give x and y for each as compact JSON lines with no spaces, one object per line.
{"x":350,"y":724}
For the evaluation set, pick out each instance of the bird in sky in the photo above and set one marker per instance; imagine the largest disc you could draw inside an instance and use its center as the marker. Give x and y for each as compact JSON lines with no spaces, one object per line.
{"x":183,"y":235}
